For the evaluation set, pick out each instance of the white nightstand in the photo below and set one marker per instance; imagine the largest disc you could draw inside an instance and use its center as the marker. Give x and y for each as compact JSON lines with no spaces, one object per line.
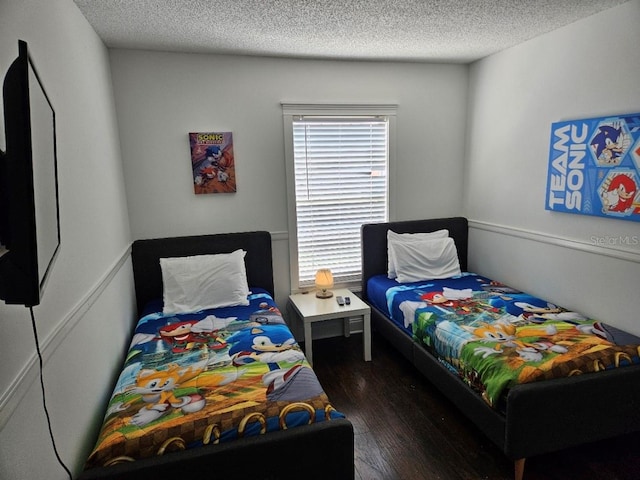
{"x":312,"y":309}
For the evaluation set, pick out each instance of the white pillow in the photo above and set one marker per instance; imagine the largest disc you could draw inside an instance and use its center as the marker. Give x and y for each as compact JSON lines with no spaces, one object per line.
{"x":426,"y":260}
{"x":393,"y":238}
{"x":192,"y":284}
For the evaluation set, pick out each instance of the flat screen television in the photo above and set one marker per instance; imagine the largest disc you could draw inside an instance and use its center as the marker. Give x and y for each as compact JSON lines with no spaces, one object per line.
{"x":29,"y":206}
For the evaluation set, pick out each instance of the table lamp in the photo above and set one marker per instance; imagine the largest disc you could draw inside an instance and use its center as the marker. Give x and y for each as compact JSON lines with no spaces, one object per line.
{"x":324,"y":281}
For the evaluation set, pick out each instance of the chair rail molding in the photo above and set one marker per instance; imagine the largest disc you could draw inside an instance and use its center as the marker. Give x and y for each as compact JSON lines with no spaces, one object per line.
{"x":11,"y":397}
{"x":596,"y":246}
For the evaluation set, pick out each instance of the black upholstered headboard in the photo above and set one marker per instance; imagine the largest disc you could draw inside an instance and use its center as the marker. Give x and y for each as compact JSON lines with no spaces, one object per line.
{"x":374,"y":242}
{"x":146,"y":254}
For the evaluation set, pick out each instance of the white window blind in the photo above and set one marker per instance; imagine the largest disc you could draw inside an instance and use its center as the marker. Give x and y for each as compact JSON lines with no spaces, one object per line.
{"x":341,"y":182}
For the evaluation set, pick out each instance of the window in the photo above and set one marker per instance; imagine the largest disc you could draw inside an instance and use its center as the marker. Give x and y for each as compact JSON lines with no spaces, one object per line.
{"x":338,"y":179}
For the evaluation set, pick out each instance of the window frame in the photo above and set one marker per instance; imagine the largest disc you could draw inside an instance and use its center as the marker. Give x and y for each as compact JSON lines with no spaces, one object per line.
{"x":292,"y":110}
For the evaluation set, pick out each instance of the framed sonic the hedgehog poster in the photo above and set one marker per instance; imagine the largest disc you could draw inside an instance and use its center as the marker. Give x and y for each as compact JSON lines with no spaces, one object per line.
{"x":594,"y":167}
{"x":212,"y":162}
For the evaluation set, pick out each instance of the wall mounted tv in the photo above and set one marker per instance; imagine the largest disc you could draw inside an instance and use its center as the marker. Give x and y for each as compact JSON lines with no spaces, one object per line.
{"x":29,"y":207}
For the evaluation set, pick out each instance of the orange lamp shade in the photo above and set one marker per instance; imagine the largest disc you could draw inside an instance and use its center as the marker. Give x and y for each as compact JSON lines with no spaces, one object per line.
{"x":324,"y":281}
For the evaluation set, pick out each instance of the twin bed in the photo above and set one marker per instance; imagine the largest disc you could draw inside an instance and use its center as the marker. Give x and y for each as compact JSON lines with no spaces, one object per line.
{"x":534,"y":377}
{"x":214,"y":385}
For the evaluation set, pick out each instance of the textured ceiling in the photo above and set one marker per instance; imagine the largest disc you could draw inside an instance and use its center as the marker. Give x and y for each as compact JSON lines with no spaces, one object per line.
{"x":456,"y":31}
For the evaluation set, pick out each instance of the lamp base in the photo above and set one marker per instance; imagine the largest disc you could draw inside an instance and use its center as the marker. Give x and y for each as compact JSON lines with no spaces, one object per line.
{"x":324,"y":294}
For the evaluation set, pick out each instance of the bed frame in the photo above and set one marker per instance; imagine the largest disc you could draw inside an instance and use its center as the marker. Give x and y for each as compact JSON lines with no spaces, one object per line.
{"x":580,"y":409}
{"x":321,"y":450}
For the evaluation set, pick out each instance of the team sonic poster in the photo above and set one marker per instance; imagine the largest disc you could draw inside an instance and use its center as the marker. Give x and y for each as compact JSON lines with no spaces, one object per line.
{"x":594,"y":167}
{"x":212,"y":162}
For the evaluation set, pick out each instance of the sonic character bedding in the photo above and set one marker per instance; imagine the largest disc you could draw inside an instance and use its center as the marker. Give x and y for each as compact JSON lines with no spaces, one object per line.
{"x":490,"y":335}
{"x":212,"y":376}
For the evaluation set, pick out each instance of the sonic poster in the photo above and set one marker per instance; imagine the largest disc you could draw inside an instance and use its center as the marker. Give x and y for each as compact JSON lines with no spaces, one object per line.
{"x":212,"y":162}
{"x":594,"y":167}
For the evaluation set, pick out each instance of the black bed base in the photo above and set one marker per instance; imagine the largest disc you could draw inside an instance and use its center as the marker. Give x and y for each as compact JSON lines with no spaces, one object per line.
{"x":319,"y":451}
{"x":579,"y":409}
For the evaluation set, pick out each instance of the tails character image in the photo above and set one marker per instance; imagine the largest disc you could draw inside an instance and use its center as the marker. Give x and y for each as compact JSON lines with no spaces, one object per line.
{"x":157,"y":388}
{"x":506,"y":335}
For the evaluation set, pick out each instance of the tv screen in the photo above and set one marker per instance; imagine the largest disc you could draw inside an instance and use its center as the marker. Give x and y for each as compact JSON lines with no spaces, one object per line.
{"x":29,"y":207}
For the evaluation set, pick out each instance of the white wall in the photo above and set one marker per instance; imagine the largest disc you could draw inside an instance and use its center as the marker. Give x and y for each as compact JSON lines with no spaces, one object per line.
{"x":161,"y":97}
{"x":587,"y":69}
{"x":84,"y":318}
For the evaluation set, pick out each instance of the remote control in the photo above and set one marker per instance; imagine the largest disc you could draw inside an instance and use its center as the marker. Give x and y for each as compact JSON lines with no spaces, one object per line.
{"x":347,"y":301}
{"x":340,"y":300}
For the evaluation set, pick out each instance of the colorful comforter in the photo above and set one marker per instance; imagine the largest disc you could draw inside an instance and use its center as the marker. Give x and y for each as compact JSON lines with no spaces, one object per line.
{"x":495,"y":337}
{"x":208,"y":377}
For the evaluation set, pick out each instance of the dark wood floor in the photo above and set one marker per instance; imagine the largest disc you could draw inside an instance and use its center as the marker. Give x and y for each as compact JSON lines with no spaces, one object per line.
{"x":405,"y":429}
